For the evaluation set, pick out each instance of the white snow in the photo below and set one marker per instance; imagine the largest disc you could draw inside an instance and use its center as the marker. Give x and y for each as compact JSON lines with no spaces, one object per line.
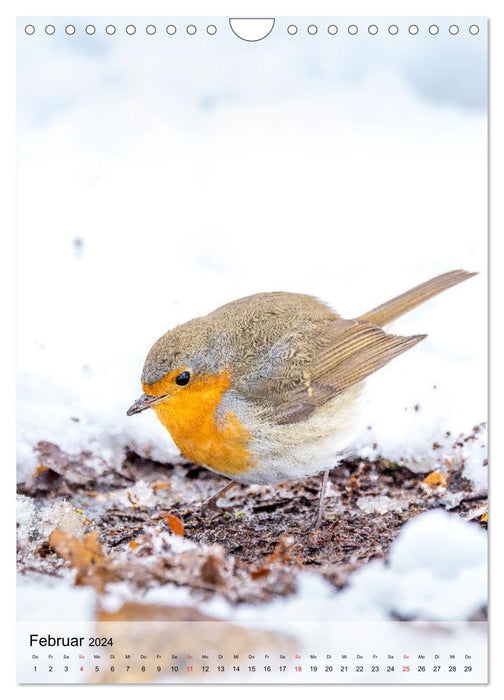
{"x":25,"y":514}
{"x":439,"y":543}
{"x":63,"y":516}
{"x":141,"y":494}
{"x":380,"y":504}
{"x":46,"y":598}
{"x":437,"y":570}
{"x":35,"y":523}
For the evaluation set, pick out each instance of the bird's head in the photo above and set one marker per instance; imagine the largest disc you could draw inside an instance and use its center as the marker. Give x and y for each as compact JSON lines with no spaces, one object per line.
{"x":182,"y":365}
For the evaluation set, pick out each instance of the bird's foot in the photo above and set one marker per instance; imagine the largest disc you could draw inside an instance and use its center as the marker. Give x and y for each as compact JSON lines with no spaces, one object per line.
{"x":210,"y":505}
{"x":319,"y":515}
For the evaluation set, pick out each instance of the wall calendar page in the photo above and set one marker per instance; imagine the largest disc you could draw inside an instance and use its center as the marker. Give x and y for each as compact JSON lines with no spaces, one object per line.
{"x":252,"y":349}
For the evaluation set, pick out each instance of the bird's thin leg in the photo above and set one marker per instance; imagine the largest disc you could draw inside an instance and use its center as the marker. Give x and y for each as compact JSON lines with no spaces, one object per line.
{"x":211,"y":503}
{"x":320,"y":505}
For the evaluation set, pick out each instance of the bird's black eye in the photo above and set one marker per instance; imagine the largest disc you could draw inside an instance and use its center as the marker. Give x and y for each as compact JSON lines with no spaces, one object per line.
{"x":183,"y":378}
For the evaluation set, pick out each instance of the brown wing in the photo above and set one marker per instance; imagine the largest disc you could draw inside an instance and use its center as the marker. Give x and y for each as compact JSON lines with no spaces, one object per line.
{"x":346,"y":353}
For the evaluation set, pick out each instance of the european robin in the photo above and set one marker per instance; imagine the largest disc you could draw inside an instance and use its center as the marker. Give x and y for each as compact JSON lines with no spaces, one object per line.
{"x":266,"y":388}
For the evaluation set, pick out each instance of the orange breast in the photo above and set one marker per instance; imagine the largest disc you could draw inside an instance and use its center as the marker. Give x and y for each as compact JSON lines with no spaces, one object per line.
{"x":189,"y":415}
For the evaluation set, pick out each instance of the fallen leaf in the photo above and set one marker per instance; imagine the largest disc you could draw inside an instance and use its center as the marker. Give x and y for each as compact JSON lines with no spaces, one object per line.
{"x":282,"y":551}
{"x":86,"y":556}
{"x":282,"y":554}
{"x":484,"y":518}
{"x":175,"y":524}
{"x":210,"y":570}
{"x":353,"y":484}
{"x":259,"y":573}
{"x":159,"y":485}
{"x":43,"y":480}
{"x":76,"y":469}
{"x":435,"y":480}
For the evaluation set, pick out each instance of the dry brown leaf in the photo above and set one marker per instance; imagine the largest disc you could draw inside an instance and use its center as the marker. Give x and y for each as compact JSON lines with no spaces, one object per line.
{"x":282,"y":554}
{"x":43,"y":480}
{"x":282,"y":551}
{"x":435,"y":480}
{"x":159,"y":485}
{"x":175,"y":524}
{"x":353,"y":484}
{"x":41,"y":468}
{"x":210,"y":570}
{"x":259,"y":573}
{"x":86,"y":556}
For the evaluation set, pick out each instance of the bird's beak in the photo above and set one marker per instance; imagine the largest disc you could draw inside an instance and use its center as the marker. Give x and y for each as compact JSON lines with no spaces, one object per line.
{"x":145,"y":401}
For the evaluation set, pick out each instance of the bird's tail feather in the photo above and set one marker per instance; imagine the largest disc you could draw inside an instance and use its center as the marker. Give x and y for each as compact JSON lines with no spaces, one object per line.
{"x":390,"y":310}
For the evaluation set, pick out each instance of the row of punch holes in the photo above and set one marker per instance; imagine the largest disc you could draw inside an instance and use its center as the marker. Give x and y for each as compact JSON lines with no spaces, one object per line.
{"x":130,"y":29}
{"x":292,"y":29}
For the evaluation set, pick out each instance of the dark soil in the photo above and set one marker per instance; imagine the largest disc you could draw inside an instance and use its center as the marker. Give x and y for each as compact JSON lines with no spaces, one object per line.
{"x":253,"y":548}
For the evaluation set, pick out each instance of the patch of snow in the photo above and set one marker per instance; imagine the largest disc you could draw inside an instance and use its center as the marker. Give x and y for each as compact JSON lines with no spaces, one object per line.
{"x":163,"y":539}
{"x":46,"y":598}
{"x":475,"y":459}
{"x":440,"y":543}
{"x":25,"y":514}
{"x":63,"y":516}
{"x":141,"y":494}
{"x":437,"y":570}
{"x":33,"y":522}
{"x":380,"y":504}
{"x":117,"y":594}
